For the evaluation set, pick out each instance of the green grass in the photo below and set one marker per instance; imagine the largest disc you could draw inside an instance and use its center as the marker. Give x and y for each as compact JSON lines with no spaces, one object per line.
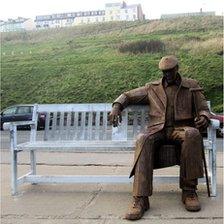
{"x":83,"y":64}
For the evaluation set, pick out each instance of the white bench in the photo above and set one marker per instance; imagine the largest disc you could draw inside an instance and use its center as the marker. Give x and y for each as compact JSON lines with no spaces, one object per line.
{"x":86,"y":127}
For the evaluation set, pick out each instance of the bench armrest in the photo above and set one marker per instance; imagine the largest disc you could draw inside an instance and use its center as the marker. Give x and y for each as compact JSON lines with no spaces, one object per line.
{"x":214,"y":123}
{"x":6,"y":125}
{"x":12,"y":127}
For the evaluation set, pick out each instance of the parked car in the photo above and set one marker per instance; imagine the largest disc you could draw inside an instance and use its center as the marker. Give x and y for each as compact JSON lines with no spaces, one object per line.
{"x":219,"y":117}
{"x":21,"y":113}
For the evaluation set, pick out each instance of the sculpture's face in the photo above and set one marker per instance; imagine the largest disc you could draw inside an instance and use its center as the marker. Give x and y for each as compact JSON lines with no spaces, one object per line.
{"x":170,"y":75}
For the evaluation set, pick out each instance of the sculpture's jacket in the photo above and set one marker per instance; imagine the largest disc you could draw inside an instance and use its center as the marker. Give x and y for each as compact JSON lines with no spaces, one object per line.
{"x":189,"y":102}
{"x":154,"y":95}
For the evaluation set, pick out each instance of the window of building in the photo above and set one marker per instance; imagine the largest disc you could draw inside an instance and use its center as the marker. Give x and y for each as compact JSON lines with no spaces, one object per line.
{"x":103,"y":18}
{"x":112,"y":18}
{"x":134,"y":16}
{"x":126,"y":11}
{"x":97,"y":19}
{"x":70,"y":20}
{"x":127,"y":17}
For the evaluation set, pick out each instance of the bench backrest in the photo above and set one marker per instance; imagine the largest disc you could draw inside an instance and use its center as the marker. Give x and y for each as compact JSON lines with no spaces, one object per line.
{"x":90,"y":122}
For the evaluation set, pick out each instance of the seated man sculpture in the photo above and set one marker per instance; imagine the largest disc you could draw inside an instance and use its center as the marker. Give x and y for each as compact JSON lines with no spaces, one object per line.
{"x":177,"y":110}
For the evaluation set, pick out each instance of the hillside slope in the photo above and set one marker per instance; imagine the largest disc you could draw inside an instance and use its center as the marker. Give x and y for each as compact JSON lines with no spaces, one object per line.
{"x":83,"y":63}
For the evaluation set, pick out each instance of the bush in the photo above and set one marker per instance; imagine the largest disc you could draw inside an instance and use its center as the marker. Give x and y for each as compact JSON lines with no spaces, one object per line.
{"x":152,"y":46}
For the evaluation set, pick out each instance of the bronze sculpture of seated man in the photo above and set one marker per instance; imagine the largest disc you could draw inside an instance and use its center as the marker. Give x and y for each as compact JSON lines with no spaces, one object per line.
{"x":175,"y":115}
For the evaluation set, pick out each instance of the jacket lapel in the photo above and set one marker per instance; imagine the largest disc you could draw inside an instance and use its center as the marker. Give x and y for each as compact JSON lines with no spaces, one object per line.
{"x":158,"y":90}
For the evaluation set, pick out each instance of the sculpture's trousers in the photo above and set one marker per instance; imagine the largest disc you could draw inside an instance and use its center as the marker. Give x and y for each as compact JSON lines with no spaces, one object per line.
{"x":191,"y":164}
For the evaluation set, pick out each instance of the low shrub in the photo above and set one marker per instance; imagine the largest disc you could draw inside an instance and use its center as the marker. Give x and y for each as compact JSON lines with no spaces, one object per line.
{"x":152,"y":46}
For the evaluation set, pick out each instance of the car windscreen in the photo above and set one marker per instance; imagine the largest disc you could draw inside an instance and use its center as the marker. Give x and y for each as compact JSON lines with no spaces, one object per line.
{"x":9,"y":111}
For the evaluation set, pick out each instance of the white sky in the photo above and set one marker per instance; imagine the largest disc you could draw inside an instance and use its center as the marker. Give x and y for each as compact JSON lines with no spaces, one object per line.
{"x":152,"y":9}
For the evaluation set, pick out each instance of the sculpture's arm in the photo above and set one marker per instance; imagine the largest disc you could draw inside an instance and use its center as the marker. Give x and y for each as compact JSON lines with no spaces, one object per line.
{"x":134,"y":96}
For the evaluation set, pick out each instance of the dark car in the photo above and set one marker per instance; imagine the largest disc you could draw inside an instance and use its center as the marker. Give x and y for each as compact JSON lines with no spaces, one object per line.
{"x":21,"y":113}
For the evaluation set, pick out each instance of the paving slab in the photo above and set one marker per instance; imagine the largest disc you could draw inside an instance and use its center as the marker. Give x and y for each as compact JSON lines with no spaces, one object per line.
{"x":167,"y":221}
{"x":81,"y":159}
{"x":164,"y":204}
{"x":53,"y":221}
{"x":99,"y":203}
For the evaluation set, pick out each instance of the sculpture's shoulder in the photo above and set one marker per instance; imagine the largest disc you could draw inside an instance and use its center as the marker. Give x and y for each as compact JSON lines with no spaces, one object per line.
{"x":189,"y":83}
{"x":153,"y":83}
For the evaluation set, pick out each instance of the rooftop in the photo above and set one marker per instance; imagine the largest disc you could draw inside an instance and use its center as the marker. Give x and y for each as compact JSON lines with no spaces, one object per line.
{"x":14,"y":21}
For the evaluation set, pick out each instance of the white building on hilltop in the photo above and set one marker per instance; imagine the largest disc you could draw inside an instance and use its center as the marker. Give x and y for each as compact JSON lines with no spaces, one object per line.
{"x":112,"y":12}
{"x":19,"y":24}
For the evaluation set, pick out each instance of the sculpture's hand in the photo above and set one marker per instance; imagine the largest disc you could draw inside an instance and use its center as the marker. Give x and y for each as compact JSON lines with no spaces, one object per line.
{"x":201,"y":123}
{"x":115,"y":114}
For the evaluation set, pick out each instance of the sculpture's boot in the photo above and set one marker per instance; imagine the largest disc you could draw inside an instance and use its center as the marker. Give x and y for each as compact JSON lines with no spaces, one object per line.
{"x":190,"y":199}
{"x":137,"y":208}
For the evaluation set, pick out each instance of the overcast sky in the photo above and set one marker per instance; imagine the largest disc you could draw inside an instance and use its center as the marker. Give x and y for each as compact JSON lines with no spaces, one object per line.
{"x":152,"y":9}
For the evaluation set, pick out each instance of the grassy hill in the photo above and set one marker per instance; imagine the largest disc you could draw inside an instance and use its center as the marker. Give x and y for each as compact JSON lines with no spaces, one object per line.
{"x":84,"y":64}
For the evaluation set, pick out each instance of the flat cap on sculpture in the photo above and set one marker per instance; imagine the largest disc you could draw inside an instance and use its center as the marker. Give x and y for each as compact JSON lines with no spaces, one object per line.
{"x":168,"y":62}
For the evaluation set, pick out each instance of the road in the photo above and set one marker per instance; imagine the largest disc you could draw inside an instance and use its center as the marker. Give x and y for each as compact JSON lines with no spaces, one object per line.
{"x":23,"y":136}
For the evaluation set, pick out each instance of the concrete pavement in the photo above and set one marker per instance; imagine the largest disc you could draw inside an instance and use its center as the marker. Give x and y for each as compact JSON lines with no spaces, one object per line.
{"x":97,"y":203}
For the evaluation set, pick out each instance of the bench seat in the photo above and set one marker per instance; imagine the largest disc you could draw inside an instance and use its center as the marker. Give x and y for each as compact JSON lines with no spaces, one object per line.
{"x":77,"y":146}
{"x":87,"y":146}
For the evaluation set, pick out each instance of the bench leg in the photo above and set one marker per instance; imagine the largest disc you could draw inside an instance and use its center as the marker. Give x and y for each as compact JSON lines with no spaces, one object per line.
{"x":213,"y":173}
{"x":33,"y":163}
{"x":14,"y":172}
{"x":212,"y":155}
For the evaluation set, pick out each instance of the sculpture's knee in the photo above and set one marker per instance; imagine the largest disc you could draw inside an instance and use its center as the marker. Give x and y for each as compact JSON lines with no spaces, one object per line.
{"x":143,"y":137}
{"x":192,"y":133}
{"x":140,"y":138}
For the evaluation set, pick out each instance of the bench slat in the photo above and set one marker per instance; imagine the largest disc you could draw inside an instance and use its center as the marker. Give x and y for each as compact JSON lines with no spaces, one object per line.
{"x":68,"y":126}
{"x":77,"y":146}
{"x":104,"y":125}
{"x":142,"y":120}
{"x":54,"y":125}
{"x":135,"y":122}
{"x":57,"y":179}
{"x":90,"y":125}
{"x":46,"y":131}
{"x":83,"y":120}
{"x":61,"y":126}
{"x":75,"y":126}
{"x":97,"y":125}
